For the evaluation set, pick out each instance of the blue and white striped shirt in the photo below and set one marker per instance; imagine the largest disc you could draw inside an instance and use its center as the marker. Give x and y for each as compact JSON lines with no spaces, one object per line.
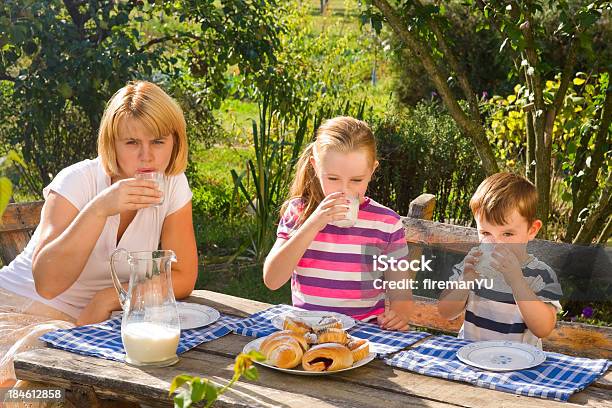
{"x":492,"y":314}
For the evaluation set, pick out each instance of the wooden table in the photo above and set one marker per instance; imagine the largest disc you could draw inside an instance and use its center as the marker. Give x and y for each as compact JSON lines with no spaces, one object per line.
{"x":373,"y":385}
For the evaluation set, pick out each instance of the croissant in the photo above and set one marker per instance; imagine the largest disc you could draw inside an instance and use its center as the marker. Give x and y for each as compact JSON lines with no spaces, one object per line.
{"x":327,"y":357}
{"x":360,"y":348}
{"x":296,"y":325}
{"x":332,"y":336}
{"x":327,"y":322}
{"x":284,"y":349}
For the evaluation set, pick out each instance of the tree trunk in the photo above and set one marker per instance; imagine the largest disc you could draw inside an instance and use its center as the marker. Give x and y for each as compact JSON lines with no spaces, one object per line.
{"x":598,"y":215}
{"x":530,"y":154}
{"x":472,"y":129}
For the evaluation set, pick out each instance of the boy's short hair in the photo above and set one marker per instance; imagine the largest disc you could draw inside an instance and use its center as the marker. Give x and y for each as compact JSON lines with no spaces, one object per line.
{"x":156,"y":110}
{"x":500,"y":193}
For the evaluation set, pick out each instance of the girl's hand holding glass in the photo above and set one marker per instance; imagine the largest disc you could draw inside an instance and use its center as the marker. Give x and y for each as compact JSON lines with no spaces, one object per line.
{"x":334,"y":207}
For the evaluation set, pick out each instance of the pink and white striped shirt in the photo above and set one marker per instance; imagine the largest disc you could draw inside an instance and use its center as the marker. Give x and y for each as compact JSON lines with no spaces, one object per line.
{"x":336,"y":273}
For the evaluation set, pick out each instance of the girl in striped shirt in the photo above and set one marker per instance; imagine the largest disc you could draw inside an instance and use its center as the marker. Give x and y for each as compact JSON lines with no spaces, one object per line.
{"x":331,"y":267}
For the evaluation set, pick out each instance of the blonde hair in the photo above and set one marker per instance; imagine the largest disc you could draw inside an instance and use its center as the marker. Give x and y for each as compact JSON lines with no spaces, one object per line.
{"x":501,"y":193}
{"x":342,"y":134}
{"x":156,"y":110}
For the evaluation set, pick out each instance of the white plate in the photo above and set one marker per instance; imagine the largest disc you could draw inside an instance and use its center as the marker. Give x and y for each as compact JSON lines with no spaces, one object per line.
{"x":193,"y":315}
{"x":501,"y":355}
{"x":312,"y":317}
{"x":254,"y":345}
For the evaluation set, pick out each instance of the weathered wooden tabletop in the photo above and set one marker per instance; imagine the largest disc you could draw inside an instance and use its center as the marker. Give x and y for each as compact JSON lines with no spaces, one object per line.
{"x":373,"y":385}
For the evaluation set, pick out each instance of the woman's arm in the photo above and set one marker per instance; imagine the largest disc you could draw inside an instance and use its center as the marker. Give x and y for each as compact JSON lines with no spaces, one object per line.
{"x":177,"y":235}
{"x":67,"y":236}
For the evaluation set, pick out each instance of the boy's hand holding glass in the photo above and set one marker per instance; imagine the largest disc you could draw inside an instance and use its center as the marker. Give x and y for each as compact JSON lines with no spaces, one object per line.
{"x":505,"y":261}
{"x":469,"y":264}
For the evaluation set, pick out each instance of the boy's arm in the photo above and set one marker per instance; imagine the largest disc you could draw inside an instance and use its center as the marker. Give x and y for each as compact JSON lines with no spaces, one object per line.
{"x":452,"y":302}
{"x":540,"y":317}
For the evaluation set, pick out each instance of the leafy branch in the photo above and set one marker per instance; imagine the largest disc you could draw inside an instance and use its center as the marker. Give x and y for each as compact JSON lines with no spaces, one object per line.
{"x":196,"y":389}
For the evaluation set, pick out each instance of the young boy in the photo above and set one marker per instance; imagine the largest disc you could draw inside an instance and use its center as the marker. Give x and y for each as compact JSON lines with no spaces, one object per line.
{"x":522,"y":302}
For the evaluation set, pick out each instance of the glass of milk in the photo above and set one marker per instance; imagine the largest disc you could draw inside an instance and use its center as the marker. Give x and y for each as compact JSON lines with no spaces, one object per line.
{"x":150,"y":327}
{"x":351,"y":216}
{"x":483,"y":266}
{"x":156,"y":176}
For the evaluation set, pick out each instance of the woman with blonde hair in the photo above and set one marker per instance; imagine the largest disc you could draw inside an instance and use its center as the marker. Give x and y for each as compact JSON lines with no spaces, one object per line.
{"x":93,"y":207}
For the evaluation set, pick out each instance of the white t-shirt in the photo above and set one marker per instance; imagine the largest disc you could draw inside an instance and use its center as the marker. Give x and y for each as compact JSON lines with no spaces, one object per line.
{"x":79,"y":184}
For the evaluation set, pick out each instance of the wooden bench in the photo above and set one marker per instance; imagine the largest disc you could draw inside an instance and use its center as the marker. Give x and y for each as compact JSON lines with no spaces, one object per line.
{"x":16,"y":227}
{"x":20,"y":220}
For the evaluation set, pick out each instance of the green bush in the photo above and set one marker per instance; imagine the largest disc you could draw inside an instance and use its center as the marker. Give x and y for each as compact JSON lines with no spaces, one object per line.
{"x":574,"y":148}
{"x":421,"y":150}
{"x":213,"y":199}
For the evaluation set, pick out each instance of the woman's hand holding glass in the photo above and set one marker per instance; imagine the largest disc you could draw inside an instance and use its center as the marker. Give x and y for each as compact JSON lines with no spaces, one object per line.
{"x":127,"y":195}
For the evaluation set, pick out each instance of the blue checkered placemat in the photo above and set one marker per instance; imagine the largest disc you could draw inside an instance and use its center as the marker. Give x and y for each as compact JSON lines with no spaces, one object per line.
{"x":556,"y":378}
{"x":104,"y":339}
{"x":382,"y":341}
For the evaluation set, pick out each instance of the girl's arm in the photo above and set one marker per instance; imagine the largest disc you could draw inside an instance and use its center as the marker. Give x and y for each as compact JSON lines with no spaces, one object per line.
{"x":67,"y":236}
{"x":286,"y":253}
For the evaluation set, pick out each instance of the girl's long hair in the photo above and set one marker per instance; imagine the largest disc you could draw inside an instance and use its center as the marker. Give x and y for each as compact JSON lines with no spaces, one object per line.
{"x":341,"y":134}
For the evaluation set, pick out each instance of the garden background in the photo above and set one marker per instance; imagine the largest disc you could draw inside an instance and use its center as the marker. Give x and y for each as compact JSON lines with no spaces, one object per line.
{"x":453,"y":90}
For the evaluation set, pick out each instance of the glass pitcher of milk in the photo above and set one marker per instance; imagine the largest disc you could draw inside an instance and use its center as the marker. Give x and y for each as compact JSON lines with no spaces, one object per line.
{"x":150,"y":328}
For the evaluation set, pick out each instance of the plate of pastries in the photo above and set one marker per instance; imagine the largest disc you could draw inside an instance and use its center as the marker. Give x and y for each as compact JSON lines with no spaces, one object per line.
{"x":312,"y":318}
{"x":307,"y":348}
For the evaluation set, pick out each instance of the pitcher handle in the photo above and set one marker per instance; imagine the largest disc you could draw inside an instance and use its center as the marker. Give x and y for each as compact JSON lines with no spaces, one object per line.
{"x":121,"y":293}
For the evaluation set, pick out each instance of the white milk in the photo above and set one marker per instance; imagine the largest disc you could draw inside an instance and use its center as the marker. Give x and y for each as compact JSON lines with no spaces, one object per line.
{"x":483,"y":266}
{"x":351,"y":215}
{"x":157,"y":177}
{"x":149,"y":342}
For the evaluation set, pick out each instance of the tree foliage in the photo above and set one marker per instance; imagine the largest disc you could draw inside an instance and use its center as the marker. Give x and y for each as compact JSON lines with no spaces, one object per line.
{"x":64,"y":60}
{"x":425,"y":31}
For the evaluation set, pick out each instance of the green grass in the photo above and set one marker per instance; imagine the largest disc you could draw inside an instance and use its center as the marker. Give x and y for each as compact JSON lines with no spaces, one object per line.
{"x":214,"y":164}
{"x":236,"y":116}
{"x":242,"y":281}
